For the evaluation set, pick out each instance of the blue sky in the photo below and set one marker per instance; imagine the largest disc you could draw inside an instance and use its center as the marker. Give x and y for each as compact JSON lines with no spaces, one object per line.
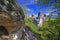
{"x":32,"y":7}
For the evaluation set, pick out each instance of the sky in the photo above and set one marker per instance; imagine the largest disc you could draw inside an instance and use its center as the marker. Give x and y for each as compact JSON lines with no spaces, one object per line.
{"x":33,"y":8}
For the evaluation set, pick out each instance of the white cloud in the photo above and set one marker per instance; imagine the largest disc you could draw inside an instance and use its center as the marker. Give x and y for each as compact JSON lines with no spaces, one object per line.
{"x":29,"y":10}
{"x":51,"y":11}
{"x":47,"y":14}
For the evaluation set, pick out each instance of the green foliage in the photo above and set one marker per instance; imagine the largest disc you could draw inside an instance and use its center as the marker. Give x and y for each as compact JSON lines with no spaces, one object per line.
{"x":28,"y":23}
{"x":45,"y":1}
{"x":40,"y":2}
{"x":49,"y":31}
{"x":55,"y":3}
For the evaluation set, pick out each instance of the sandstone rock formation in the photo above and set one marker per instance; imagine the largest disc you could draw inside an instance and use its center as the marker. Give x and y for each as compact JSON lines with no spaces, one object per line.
{"x":12,"y":25}
{"x":38,"y":21}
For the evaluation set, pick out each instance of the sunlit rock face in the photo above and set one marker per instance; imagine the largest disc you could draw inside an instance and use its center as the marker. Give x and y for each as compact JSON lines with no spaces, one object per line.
{"x":12,"y":22}
{"x":39,"y":19}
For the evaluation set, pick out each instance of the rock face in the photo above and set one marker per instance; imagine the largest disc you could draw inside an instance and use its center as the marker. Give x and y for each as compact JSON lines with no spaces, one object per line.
{"x":38,"y":20}
{"x":12,"y":22}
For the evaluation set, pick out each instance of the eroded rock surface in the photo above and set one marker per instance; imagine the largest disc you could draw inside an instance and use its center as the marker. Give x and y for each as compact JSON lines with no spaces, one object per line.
{"x":12,"y":21}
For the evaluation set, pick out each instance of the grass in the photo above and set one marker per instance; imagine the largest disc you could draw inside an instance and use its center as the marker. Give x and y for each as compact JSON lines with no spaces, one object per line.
{"x":28,"y":23}
{"x":45,"y":32}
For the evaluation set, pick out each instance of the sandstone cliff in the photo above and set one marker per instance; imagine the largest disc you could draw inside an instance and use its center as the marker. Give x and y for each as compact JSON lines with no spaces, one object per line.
{"x":12,"y":21}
